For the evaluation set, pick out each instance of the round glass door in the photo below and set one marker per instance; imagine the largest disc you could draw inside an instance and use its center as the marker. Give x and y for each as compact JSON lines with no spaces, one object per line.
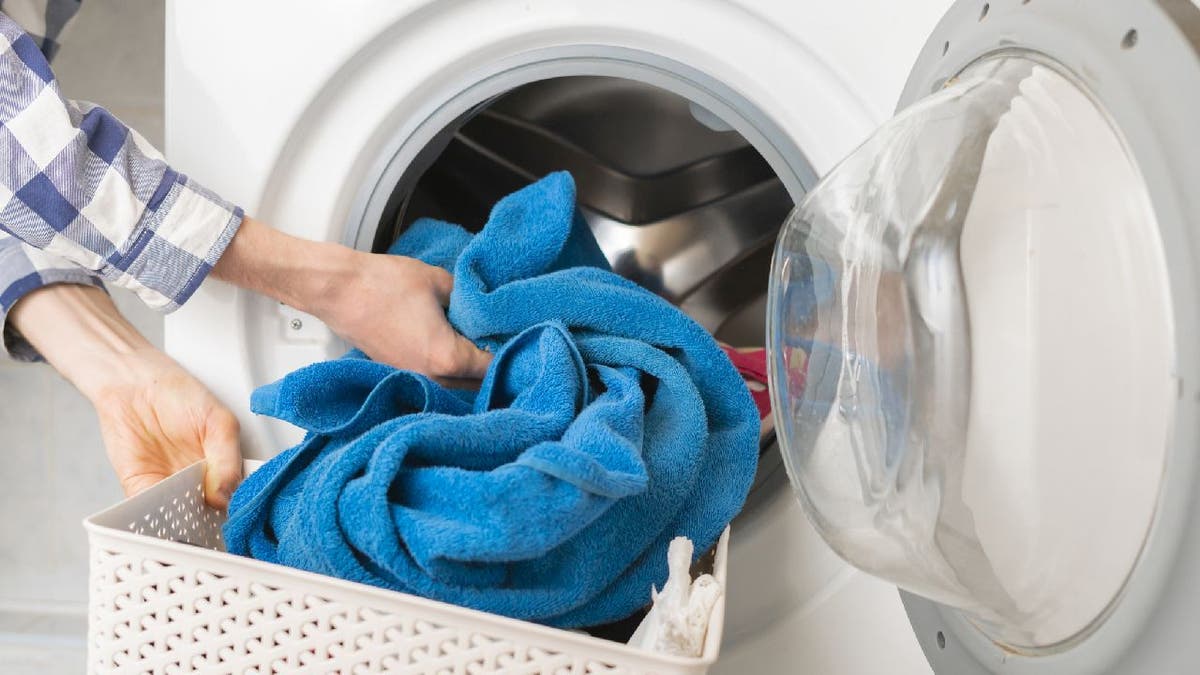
{"x":971,"y":353}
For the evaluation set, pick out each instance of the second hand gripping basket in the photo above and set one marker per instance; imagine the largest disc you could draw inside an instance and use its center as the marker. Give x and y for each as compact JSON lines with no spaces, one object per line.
{"x":164,"y":597}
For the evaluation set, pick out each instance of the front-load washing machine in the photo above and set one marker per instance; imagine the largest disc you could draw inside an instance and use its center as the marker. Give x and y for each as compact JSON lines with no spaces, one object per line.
{"x":978,"y":322}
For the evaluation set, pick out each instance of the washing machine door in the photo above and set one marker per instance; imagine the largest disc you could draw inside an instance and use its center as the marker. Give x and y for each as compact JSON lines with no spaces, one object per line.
{"x":982,"y":339}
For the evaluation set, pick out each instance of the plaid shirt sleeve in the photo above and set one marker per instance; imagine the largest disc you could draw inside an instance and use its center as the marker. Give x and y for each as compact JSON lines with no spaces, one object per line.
{"x":92,"y":196}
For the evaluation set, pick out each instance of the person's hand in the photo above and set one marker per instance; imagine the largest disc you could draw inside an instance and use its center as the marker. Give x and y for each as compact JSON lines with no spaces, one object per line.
{"x":155,"y":418}
{"x":393,"y":309}
{"x":390,"y":307}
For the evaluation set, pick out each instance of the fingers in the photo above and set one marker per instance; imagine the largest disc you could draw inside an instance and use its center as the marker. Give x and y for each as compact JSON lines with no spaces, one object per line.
{"x":462,"y":361}
{"x":400,"y":319}
{"x":223,"y":458}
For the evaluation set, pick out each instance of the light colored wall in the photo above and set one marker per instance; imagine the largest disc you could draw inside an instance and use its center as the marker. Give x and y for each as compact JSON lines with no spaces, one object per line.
{"x":53,"y":471}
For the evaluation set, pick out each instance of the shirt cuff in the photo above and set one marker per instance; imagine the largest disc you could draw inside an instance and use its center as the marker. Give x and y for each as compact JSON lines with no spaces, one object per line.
{"x":176,"y":244}
{"x":12,"y":344}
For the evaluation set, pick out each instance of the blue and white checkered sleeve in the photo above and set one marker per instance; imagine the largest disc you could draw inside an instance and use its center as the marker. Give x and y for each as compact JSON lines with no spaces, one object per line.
{"x":77,"y":183}
{"x":24,"y":269}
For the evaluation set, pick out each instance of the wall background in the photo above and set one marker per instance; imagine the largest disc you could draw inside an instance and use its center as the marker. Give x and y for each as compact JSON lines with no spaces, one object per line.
{"x":54,"y":472}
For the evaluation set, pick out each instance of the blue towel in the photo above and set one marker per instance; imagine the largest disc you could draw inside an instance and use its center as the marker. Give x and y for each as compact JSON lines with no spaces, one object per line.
{"x":608,"y":424}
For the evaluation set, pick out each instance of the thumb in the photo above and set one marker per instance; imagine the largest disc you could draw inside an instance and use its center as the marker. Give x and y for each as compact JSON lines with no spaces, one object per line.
{"x":223,"y":458}
{"x":472,"y":361}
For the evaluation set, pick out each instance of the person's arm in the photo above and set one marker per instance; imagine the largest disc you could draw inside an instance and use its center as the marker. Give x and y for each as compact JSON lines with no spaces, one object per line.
{"x":390,"y":307}
{"x":77,"y":183}
{"x":154,"y":416}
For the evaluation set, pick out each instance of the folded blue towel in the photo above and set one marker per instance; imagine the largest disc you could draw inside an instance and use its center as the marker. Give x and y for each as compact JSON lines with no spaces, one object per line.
{"x":608,"y":424}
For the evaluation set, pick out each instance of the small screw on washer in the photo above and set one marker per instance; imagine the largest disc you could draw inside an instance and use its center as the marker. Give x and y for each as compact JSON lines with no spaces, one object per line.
{"x":296,"y":324}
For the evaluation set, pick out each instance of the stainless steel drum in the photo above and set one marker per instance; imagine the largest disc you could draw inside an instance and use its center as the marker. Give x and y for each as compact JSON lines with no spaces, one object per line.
{"x":679,"y":202}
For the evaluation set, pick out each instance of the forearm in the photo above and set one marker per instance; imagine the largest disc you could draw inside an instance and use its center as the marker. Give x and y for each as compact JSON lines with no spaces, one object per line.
{"x":389,"y":306}
{"x":155,"y":418}
{"x":80,"y":332}
{"x":302,"y":274}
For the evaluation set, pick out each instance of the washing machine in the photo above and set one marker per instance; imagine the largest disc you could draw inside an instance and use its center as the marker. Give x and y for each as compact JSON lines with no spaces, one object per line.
{"x":964,"y":231}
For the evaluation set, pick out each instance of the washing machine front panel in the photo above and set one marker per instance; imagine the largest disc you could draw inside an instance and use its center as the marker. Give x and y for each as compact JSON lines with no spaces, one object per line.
{"x":982,"y":341}
{"x":312,"y":120}
{"x":300,"y":126}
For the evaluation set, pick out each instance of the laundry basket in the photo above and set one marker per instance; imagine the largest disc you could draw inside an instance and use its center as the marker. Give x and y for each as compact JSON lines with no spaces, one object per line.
{"x":164,"y":597}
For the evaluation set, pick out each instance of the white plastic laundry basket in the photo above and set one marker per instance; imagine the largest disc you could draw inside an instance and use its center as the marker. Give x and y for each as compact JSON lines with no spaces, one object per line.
{"x":165,"y":598}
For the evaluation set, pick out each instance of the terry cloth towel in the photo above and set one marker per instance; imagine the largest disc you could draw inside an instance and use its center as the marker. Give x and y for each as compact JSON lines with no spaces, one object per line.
{"x":608,"y":424}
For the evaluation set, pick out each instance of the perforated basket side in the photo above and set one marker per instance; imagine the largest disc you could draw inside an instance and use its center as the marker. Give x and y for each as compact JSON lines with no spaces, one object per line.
{"x":165,"y":598}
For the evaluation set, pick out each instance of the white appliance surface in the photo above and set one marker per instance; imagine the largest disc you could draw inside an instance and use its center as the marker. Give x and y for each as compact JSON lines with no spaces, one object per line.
{"x":283,"y":108}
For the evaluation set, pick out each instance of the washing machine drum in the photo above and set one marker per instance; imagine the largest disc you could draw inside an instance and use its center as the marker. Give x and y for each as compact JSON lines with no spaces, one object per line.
{"x":982,"y":337}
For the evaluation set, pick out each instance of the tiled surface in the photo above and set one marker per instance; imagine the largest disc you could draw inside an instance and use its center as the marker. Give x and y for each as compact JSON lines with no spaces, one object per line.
{"x":54,"y":470}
